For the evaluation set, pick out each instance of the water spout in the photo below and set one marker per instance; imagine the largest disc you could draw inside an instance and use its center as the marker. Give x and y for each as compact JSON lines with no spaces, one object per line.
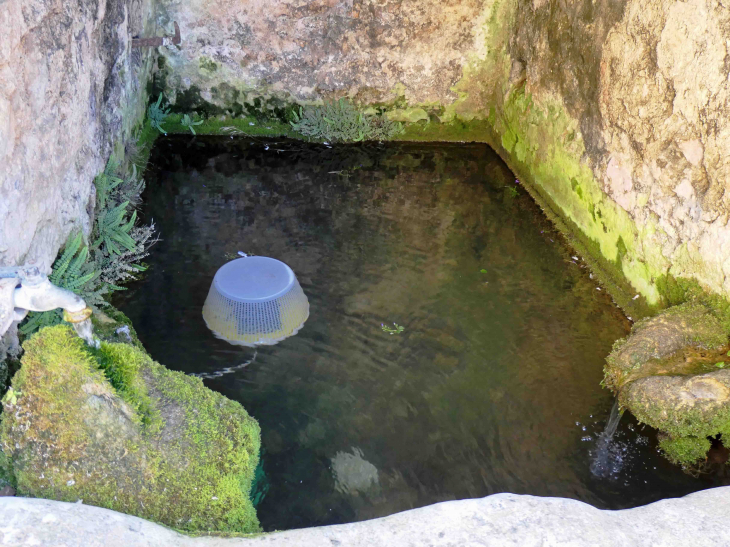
{"x":85,"y":330}
{"x":24,"y":289}
{"x":607,"y":459}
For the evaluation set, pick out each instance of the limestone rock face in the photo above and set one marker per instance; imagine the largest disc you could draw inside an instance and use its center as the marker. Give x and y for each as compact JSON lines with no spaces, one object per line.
{"x":665,"y":107}
{"x":313,"y":49}
{"x":152,"y":442}
{"x":70,"y":86}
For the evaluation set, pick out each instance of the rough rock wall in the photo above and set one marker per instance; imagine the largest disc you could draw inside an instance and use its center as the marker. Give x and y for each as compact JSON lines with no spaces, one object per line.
{"x":70,"y":87}
{"x":665,"y":106}
{"x":615,"y":110}
{"x":371,"y":49}
{"x":618,"y":109}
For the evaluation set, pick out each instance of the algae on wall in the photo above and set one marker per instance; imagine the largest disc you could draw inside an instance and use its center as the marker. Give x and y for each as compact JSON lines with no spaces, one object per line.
{"x":116,"y":429}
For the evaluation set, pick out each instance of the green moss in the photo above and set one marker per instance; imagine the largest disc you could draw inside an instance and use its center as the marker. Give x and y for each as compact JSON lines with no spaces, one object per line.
{"x":665,"y":344}
{"x":650,"y":406}
{"x":107,"y":323}
{"x":189,"y":466}
{"x":122,"y":365}
{"x":408,"y":115}
{"x":246,"y":126}
{"x":685,"y":450}
{"x":209,"y":65}
{"x":675,"y":291}
{"x":6,"y":471}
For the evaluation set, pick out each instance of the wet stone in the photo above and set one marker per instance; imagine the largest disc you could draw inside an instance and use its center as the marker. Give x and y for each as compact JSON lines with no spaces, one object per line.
{"x":670,"y":373}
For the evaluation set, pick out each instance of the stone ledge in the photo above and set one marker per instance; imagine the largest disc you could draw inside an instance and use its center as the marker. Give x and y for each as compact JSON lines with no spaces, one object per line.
{"x":501,"y":519}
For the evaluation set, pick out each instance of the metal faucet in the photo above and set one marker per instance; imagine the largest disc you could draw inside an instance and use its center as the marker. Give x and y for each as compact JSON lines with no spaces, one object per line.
{"x":25,"y":288}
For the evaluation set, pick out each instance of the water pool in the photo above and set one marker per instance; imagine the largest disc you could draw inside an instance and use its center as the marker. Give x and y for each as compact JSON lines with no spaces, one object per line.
{"x":492,"y":386}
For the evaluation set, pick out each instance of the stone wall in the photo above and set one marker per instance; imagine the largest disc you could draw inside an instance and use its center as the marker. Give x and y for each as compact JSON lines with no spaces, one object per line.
{"x":71,"y":87}
{"x":615,"y":111}
{"x":301,"y":50}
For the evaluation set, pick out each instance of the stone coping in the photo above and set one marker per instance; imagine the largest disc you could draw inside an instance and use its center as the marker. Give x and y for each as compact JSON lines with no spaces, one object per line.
{"x":501,"y":519}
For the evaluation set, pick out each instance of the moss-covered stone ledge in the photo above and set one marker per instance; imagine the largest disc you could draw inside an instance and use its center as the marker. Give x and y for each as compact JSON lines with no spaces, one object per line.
{"x":673,"y":373}
{"x":115,"y":429}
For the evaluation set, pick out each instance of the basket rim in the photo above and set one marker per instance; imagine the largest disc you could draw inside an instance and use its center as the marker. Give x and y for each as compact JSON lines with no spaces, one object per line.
{"x":217,"y":285}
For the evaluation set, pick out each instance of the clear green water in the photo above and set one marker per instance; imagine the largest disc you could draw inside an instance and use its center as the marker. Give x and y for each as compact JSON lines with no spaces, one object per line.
{"x":494,"y":384}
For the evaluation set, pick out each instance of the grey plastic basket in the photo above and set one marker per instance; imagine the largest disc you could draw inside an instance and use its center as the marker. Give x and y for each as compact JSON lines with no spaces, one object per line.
{"x":255,"y":301}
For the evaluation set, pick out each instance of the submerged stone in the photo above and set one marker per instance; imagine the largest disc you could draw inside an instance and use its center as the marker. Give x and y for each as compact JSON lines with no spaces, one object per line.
{"x":115,"y":429}
{"x":353,"y":474}
{"x":670,"y":373}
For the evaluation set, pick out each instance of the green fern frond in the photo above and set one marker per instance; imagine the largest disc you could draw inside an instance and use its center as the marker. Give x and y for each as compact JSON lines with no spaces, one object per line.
{"x":62,"y":263}
{"x":116,"y":252}
{"x":106,"y":182}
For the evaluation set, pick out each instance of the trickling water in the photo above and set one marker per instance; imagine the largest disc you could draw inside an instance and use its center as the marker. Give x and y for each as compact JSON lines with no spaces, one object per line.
{"x":492,"y":386}
{"x":85,"y":330}
{"x":608,"y":458}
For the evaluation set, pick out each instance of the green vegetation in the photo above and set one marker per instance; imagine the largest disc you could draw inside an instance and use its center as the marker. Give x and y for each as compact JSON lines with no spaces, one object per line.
{"x":395,"y":329}
{"x":72,"y":271}
{"x":6,"y":471}
{"x":248,"y":126}
{"x":654,"y":341}
{"x":157,"y":113}
{"x":115,"y":255}
{"x":511,"y":191}
{"x":684,"y":450}
{"x":122,"y":365}
{"x":116,"y":429}
{"x":189,"y":122}
{"x":340,"y":121}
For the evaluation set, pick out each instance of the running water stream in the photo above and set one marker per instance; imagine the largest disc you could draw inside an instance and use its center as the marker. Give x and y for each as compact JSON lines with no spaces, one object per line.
{"x":607,"y":458}
{"x":85,"y":330}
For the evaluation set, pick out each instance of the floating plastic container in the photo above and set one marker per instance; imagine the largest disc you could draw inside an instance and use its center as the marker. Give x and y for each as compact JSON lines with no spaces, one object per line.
{"x":255,"y":301}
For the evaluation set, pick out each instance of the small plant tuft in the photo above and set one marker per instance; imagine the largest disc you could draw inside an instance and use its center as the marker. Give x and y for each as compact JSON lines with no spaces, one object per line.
{"x":395,"y":329}
{"x":340,"y":121}
{"x":189,"y":122}
{"x":157,"y":113}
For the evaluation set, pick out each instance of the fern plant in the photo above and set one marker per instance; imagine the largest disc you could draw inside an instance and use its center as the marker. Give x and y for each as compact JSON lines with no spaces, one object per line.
{"x":340,"y":121}
{"x":189,"y":122}
{"x":112,"y":230}
{"x":71,"y":271}
{"x":106,"y":182}
{"x":157,"y":114}
{"x":115,"y":256}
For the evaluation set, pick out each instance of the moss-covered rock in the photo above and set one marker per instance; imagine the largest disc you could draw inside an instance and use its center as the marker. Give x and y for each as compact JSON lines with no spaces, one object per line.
{"x":653,"y":342}
{"x":684,"y":450}
{"x":671,"y":374}
{"x":117,"y":430}
{"x":697,"y":405}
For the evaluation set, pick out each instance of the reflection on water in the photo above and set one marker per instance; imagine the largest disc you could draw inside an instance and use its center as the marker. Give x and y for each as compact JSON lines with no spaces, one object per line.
{"x":492,"y":386}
